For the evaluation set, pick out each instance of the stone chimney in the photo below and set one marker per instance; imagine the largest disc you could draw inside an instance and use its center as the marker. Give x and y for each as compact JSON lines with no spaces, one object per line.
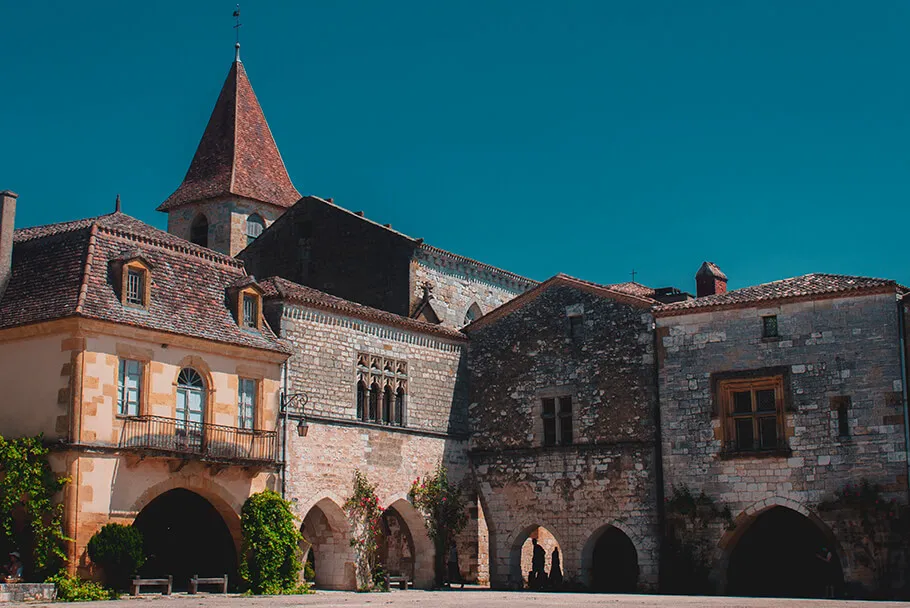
{"x":709,"y":280}
{"x":7,"y":225}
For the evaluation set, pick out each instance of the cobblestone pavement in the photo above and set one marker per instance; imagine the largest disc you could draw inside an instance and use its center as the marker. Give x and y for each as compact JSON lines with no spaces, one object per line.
{"x":480,"y":598}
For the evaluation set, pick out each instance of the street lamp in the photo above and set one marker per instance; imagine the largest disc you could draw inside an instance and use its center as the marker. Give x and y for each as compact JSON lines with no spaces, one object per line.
{"x":302,"y":427}
{"x":292,"y":406}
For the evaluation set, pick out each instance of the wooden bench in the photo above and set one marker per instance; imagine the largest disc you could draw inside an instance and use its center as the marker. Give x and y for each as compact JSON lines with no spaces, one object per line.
{"x":221,"y":581}
{"x":401,"y":581}
{"x":138,"y":583}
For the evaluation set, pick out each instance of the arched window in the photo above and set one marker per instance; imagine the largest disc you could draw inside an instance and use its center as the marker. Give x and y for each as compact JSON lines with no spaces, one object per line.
{"x":472,"y":314}
{"x":190,"y":406}
{"x":399,"y":407}
{"x":361,"y":401}
{"x":387,"y":404}
{"x":374,"y":403}
{"x":199,"y":230}
{"x":254,"y":227}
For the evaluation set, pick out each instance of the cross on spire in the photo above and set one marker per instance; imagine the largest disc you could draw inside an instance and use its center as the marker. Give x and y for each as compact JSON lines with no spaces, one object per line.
{"x":633,"y":273}
{"x":237,"y":26}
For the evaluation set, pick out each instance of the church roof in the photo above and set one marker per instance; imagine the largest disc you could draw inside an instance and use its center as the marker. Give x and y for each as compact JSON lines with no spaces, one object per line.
{"x":237,"y":154}
{"x":64,"y":270}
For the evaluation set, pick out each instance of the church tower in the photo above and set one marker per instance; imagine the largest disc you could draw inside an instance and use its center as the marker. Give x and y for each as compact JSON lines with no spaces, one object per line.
{"x":237,"y":183}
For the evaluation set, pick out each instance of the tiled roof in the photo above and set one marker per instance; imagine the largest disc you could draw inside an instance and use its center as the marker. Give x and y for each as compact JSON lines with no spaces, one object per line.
{"x":63,"y":270}
{"x":712,"y":270}
{"x":237,"y":154}
{"x":607,"y":291}
{"x":633,"y":288}
{"x":282,"y":289}
{"x":806,"y":286}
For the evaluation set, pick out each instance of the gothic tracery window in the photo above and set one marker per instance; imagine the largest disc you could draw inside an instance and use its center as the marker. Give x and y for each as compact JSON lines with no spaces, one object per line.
{"x":381,"y":389}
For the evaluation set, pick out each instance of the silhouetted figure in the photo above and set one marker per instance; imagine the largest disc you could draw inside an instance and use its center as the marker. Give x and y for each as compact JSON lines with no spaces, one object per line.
{"x":826,"y":569}
{"x":555,"y":570}
{"x":538,"y":576}
{"x":454,"y":573}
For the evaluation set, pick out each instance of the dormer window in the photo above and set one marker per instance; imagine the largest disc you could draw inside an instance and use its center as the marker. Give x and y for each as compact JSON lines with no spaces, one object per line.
{"x":135,"y":286}
{"x":133,"y":278}
{"x":250,"y":310}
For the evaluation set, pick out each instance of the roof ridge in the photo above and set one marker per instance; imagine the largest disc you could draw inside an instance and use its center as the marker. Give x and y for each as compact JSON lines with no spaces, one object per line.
{"x":86,"y":268}
{"x":188,"y":249}
{"x":71,"y":226}
{"x":465,"y":258}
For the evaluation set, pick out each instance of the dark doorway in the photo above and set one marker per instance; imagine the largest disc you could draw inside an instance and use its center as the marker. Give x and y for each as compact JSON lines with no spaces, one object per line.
{"x":777,"y":556}
{"x":396,"y":547}
{"x":614,"y":565}
{"x":184,"y":535}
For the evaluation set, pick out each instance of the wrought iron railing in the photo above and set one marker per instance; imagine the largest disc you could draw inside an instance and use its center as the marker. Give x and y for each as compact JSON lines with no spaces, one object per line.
{"x":208,"y":441}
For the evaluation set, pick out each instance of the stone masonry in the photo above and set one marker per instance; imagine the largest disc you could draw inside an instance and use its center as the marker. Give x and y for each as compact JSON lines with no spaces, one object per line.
{"x":606,"y":477}
{"x":226,"y":218}
{"x":846,"y":346}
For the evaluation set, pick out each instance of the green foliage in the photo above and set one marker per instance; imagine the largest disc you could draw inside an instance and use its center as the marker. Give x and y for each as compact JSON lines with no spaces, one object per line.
{"x":28,"y":486}
{"x":445,"y":512}
{"x":270,"y":557}
{"x":365,"y":515}
{"x":119,"y":550}
{"x":876,"y":530}
{"x":687,"y":550}
{"x":75,"y":589}
{"x":309,"y":574}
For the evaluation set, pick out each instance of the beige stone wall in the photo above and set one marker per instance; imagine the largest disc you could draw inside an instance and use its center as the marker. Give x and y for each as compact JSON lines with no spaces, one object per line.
{"x":227,"y":221}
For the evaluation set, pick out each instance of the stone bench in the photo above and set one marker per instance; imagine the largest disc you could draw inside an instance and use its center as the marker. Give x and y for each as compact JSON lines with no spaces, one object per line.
{"x":401,"y":581}
{"x":23,"y":592}
{"x":221,"y":581}
{"x":138,"y":583}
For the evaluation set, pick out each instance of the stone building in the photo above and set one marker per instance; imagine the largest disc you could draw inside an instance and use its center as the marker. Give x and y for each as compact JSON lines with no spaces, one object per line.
{"x":563,"y":442}
{"x":772,"y":399}
{"x":144,"y":361}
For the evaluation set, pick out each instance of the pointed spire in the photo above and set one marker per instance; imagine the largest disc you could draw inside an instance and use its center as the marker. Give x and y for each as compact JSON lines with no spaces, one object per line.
{"x":237,"y":155}
{"x":117,"y":204}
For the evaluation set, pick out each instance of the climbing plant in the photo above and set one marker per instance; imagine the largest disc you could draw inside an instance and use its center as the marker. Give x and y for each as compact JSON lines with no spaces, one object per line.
{"x":27,"y":490}
{"x":445,"y":512}
{"x":270,"y":555}
{"x":874,"y":529}
{"x":365,"y":516}
{"x":687,"y":549}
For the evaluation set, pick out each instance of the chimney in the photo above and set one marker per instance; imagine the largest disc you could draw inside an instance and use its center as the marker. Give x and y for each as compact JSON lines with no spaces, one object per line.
{"x":709,"y":280}
{"x":7,"y":225}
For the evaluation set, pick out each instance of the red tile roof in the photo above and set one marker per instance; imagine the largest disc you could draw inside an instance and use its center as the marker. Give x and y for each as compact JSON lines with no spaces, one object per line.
{"x":711,"y":269}
{"x":284,"y":290}
{"x":809,"y":286}
{"x":64,"y":270}
{"x":633,"y":288}
{"x":237,"y":154}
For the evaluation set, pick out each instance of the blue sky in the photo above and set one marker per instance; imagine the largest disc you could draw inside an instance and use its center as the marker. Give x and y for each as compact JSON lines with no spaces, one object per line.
{"x":586,"y":137}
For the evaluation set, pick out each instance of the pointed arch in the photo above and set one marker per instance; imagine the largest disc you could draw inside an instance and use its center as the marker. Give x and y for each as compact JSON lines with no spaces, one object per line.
{"x":255,"y":226}
{"x":472,"y":314}
{"x":199,"y":230}
{"x":326,"y":534}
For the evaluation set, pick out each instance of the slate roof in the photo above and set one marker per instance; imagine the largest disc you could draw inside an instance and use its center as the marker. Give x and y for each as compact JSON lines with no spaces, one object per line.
{"x":288,"y":291}
{"x":237,"y":154}
{"x":63,"y":270}
{"x":815,"y":285}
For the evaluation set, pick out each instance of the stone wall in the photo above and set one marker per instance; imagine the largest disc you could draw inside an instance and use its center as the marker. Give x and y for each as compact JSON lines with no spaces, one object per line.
{"x":457,"y":283}
{"x":322,"y":464}
{"x":606,"y":477}
{"x":227,"y":221}
{"x":846,"y":346}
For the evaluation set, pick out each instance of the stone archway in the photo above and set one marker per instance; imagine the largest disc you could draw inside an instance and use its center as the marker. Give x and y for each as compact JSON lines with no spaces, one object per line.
{"x":184,"y":535}
{"x":423,"y":550}
{"x":326,"y":535}
{"x":396,"y":548}
{"x":521,"y":556}
{"x":610,"y":562}
{"x":775,"y":553}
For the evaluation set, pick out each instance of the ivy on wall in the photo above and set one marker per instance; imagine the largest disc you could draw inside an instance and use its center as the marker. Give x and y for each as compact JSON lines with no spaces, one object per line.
{"x":31,"y":522}
{"x":270,"y":555}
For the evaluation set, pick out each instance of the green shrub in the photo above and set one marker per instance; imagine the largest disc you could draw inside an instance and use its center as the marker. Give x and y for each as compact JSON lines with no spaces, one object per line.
{"x":270,"y":556}
{"x":119,"y":550}
{"x":75,"y":589}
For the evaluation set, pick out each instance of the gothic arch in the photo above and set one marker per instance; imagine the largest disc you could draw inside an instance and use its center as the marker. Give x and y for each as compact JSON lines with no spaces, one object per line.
{"x":589,"y":550}
{"x":326,"y":533}
{"x":199,"y":230}
{"x":424,"y":551}
{"x":515,"y":573}
{"x":472,"y":313}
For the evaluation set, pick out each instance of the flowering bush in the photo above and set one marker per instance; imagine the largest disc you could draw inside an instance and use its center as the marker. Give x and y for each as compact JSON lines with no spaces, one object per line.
{"x":270,"y":556}
{"x":365,"y":515}
{"x":443,"y":508}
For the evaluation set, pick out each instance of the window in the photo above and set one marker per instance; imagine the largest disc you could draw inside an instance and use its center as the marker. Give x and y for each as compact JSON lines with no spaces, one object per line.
{"x":576,"y":326}
{"x":382,"y":385}
{"x":246,"y":403}
{"x":472,"y":314}
{"x":135,"y":286}
{"x":753,"y":413}
{"x":769,"y":326}
{"x":254,"y":227}
{"x":557,"y":420}
{"x":190,"y":404}
{"x":129,"y":381}
{"x":199,"y":231}
{"x":250,"y":310}
{"x":841,"y":405}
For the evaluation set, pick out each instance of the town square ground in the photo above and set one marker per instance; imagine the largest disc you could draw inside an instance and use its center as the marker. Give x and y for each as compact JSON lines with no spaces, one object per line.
{"x":484,"y":598}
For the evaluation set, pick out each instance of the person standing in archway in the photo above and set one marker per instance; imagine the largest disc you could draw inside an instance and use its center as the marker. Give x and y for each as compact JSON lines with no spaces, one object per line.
{"x":826,"y":570}
{"x":555,"y":570}
{"x":538,"y":574}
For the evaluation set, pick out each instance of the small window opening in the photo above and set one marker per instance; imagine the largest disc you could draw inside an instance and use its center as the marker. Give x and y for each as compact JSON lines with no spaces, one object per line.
{"x":250,"y":311}
{"x":361,"y":401}
{"x":255,"y":225}
{"x":472,"y":314}
{"x":557,"y":420}
{"x":388,"y":402}
{"x":576,"y":326}
{"x":135,"y":286}
{"x":199,"y":231}
{"x":769,"y":326}
{"x":129,"y":381}
{"x":373,"y":415}
{"x":842,"y":406}
{"x":399,"y":407}
{"x":246,"y":401}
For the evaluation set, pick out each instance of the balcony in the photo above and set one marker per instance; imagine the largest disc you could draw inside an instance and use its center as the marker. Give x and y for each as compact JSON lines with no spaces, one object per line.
{"x":209,"y":442}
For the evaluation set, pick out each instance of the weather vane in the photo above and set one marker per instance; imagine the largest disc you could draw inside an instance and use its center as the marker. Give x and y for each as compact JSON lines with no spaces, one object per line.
{"x":237,"y":24}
